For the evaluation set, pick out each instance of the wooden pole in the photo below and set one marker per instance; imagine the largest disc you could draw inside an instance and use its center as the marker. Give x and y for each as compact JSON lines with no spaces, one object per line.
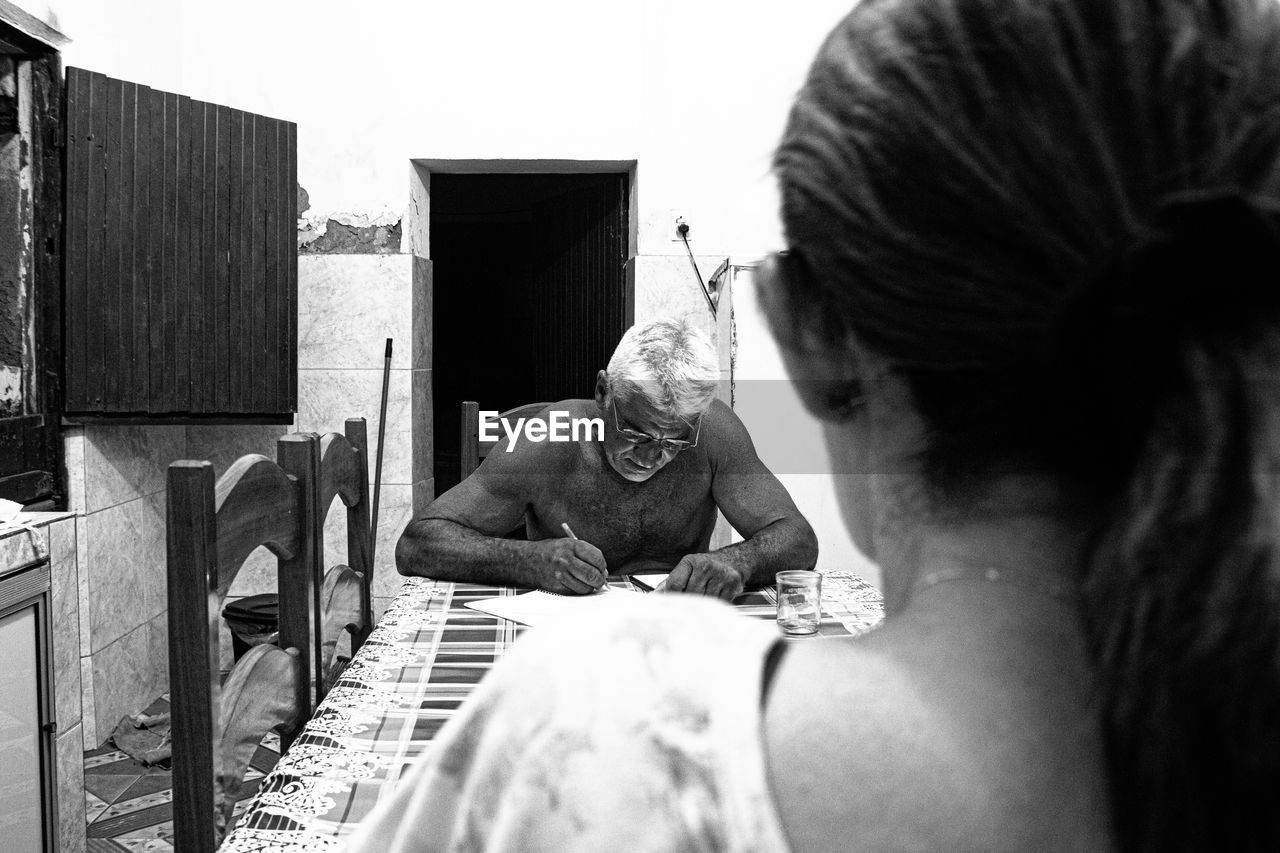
{"x":377,"y":470}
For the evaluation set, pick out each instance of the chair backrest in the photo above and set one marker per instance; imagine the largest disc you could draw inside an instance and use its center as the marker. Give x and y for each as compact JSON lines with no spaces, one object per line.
{"x":346,"y":603}
{"x":473,"y":449}
{"x":212,"y":528}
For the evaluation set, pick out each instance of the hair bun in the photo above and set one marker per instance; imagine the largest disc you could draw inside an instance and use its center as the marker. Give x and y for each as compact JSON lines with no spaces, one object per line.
{"x":1205,"y":270}
{"x":1206,"y":259}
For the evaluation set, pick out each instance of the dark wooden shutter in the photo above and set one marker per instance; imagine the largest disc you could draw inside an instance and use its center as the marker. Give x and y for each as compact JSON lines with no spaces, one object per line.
{"x":579,"y":305}
{"x":181,"y":258}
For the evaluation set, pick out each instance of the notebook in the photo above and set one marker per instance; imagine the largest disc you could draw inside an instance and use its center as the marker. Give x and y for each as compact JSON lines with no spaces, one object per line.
{"x":542,"y":608}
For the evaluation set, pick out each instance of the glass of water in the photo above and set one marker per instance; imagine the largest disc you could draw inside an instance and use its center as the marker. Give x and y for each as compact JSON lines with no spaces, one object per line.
{"x":799,"y":602}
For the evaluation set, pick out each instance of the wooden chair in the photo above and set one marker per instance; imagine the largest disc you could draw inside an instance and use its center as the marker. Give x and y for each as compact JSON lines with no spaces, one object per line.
{"x":346,"y":603}
{"x":211,"y":530}
{"x":473,"y":449}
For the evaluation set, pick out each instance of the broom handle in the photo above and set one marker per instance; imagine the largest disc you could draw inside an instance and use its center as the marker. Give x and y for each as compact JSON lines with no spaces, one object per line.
{"x":377,"y":468}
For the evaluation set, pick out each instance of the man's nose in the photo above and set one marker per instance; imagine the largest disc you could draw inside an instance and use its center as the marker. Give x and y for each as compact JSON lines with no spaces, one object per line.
{"x":649,"y":454}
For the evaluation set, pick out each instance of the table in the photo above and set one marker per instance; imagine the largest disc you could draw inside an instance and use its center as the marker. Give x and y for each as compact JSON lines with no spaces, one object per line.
{"x":426,"y":655}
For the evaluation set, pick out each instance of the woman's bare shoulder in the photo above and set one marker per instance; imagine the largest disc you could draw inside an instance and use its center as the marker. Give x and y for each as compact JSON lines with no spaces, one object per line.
{"x":870,"y":748}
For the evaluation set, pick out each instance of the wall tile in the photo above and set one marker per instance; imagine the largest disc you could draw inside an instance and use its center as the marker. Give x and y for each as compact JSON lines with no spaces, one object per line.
{"x":71,"y":814}
{"x":258,"y":574}
{"x":326,"y":398}
{"x":158,"y":652}
{"x":23,"y":548}
{"x":126,"y":568}
{"x":82,"y":583}
{"x":126,"y":462}
{"x":62,"y":541}
{"x":223,"y":445}
{"x":424,"y":492}
{"x":66,"y":622}
{"x":422,"y":419}
{"x":348,"y":305}
{"x":423,"y":308}
{"x":73,"y":459}
{"x":335,"y":533}
{"x":87,"y":715}
{"x":394,"y":512}
{"x":129,"y":674}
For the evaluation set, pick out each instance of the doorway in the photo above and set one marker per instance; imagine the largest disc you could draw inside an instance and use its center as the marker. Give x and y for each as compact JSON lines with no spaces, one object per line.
{"x":529,"y":292}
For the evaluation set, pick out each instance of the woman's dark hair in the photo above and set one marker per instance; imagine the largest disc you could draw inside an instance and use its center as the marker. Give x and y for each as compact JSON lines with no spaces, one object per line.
{"x":1054,"y":219}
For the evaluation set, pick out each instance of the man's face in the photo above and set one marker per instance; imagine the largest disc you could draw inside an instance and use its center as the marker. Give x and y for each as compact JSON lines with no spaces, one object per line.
{"x":633,"y":457}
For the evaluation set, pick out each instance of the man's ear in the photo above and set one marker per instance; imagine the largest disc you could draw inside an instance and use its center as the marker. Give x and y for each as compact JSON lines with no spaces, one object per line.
{"x":602,"y":389}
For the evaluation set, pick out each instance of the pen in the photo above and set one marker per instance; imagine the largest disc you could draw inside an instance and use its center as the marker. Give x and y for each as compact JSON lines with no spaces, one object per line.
{"x":569,"y":532}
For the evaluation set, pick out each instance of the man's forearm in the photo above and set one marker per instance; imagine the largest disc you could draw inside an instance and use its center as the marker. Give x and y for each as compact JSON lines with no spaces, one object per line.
{"x":788,"y":543}
{"x":445,"y":550}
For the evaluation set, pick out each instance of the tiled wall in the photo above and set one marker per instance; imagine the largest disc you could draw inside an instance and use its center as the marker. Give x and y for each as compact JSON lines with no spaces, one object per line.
{"x":348,"y":306}
{"x":60,"y":537}
{"x":116,"y":488}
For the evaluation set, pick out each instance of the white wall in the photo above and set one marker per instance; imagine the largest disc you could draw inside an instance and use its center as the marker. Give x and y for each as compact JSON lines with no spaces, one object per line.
{"x":696,"y":91}
{"x":787,"y":438}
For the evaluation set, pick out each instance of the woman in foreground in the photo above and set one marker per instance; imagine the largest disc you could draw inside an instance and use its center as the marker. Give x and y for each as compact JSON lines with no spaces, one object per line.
{"x":1033,"y":291}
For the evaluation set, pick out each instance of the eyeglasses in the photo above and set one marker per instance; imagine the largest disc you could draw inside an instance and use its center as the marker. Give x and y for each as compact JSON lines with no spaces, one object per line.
{"x":643,"y":439}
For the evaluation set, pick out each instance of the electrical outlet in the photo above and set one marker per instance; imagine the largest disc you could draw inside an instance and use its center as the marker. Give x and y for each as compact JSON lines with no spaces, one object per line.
{"x":678,"y":216}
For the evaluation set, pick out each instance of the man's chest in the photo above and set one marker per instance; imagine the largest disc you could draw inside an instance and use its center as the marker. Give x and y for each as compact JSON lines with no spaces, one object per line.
{"x":666,"y":515}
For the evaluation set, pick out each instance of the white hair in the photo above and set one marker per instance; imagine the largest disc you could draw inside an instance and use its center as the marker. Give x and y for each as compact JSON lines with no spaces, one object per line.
{"x":668,"y":361}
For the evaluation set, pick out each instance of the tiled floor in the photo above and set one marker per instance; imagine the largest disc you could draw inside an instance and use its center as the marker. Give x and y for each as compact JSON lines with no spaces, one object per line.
{"x":129,"y":804}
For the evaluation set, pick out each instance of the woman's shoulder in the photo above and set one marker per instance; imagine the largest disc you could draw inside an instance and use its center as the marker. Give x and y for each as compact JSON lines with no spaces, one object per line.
{"x":915,"y":756}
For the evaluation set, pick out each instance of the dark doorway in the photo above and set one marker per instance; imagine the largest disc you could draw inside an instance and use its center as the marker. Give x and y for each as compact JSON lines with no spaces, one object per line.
{"x":529,"y":292}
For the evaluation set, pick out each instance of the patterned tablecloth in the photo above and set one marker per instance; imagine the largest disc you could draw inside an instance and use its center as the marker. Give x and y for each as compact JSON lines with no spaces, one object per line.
{"x":424,"y":658}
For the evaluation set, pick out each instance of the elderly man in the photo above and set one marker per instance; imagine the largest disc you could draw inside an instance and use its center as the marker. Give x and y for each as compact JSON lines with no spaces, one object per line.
{"x":643,"y":496}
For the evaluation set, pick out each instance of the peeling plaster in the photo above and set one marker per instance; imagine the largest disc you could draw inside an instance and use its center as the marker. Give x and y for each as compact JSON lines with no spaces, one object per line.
{"x":347,"y":233}
{"x":10,"y":391}
{"x":339,"y":238}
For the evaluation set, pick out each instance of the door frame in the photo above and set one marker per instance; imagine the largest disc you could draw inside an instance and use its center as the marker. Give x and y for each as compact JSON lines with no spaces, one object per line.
{"x":417,"y":228}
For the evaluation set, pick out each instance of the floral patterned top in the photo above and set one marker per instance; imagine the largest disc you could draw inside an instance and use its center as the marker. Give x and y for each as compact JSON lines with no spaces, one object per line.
{"x":640,"y":733}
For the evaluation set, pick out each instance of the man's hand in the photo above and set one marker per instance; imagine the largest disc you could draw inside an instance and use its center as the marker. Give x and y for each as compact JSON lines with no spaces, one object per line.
{"x":707,"y":574}
{"x":570,"y":566}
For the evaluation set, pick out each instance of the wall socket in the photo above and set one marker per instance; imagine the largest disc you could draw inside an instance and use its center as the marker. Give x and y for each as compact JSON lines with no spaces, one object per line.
{"x":678,"y":216}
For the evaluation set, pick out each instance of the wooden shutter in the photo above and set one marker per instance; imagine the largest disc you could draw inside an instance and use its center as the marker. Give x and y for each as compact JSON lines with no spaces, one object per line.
{"x":181,"y":258}
{"x":579,"y":309}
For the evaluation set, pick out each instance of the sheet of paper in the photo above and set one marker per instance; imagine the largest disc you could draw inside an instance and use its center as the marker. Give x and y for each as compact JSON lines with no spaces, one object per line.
{"x":541,"y":608}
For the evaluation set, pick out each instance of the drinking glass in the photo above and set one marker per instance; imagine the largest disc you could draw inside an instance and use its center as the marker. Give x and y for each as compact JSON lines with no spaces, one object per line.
{"x":799,"y":602}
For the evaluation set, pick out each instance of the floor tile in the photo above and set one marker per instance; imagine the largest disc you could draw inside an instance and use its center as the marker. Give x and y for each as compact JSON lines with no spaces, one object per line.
{"x":144,"y":845}
{"x":159,"y":837}
{"x":103,"y":755}
{"x":103,"y":845}
{"x":124,"y":807}
{"x":93,"y":806}
{"x":148,"y":784}
{"x":108,"y":787}
{"x":129,"y":822}
{"x":129,"y":805}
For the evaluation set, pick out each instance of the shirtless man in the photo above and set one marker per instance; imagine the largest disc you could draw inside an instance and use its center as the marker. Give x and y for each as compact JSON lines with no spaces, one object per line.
{"x":644,"y":498}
